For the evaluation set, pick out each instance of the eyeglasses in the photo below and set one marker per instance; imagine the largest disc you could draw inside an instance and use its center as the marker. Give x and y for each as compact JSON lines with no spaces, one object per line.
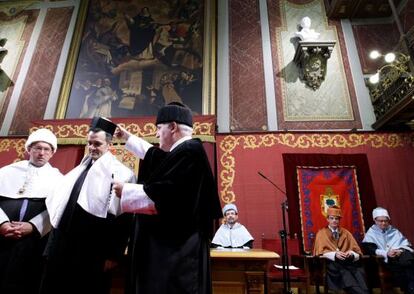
{"x":382,"y":220}
{"x":232,"y":213}
{"x":39,"y":149}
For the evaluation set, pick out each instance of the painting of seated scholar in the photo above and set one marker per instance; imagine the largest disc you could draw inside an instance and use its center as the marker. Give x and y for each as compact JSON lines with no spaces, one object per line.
{"x":136,"y":56}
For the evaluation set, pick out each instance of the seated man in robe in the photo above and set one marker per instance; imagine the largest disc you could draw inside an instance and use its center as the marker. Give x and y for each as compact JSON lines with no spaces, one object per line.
{"x":231,"y":233}
{"x":342,"y":252}
{"x":385,"y":240}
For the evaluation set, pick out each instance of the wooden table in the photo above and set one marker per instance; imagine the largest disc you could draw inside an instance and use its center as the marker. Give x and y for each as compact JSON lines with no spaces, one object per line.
{"x":238,"y":271}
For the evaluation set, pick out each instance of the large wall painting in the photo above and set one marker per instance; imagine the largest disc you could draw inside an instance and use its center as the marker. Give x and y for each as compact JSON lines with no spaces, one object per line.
{"x":135,"y":56}
{"x":12,"y":32}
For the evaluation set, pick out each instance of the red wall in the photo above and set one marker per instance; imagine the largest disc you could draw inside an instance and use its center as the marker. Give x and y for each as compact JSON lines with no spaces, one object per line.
{"x":240,"y":157}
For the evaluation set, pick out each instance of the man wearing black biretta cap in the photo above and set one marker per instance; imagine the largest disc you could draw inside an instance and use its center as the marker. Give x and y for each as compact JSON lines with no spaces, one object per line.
{"x":176,"y":112}
{"x":104,"y":124}
{"x":88,"y":232}
{"x":176,"y":202}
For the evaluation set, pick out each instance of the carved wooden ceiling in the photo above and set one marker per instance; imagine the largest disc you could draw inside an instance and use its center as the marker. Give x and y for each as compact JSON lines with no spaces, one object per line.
{"x":359,"y":8}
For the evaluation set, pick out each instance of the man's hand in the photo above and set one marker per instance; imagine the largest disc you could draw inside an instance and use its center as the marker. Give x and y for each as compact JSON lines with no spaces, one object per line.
{"x":15,"y":230}
{"x":121,"y":133}
{"x":110,"y":265}
{"x":341,"y":255}
{"x":118,"y":186}
{"x":7,"y":230}
{"x":350,"y":255}
{"x":394,"y":252}
{"x":23,"y":228}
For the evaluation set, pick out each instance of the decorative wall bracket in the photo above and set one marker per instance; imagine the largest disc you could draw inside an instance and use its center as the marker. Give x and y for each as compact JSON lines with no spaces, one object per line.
{"x":311,"y":58}
{"x":3,"y":51}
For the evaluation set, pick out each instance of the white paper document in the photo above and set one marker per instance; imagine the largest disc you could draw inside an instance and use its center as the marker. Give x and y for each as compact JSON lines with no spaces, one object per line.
{"x":291,"y":267}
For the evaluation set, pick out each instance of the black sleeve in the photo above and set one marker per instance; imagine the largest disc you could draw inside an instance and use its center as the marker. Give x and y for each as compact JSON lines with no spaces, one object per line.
{"x":118,"y":235}
{"x":369,"y":248}
{"x":249,"y":244}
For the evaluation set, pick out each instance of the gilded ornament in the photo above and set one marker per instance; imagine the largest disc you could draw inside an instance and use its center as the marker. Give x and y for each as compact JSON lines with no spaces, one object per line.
{"x":16,"y":144}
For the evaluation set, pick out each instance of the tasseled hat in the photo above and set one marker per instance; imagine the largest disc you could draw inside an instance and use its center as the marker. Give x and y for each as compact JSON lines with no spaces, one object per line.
{"x":42,"y":135}
{"x":177,"y":112}
{"x":334,"y":211}
{"x":104,"y":124}
{"x":379,"y":211}
{"x":229,"y":206}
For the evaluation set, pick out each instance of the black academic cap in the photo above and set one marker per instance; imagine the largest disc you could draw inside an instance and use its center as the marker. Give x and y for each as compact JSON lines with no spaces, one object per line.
{"x":104,"y":124}
{"x":177,"y":112}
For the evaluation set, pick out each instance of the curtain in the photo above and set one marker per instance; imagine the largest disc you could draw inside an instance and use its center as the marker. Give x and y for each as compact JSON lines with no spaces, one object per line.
{"x":322,"y":187}
{"x":292,"y":161}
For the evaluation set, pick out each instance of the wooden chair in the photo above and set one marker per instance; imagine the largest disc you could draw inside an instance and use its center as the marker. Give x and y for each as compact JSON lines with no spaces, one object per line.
{"x":380,"y":276}
{"x":299,"y":278}
{"x":318,"y":269}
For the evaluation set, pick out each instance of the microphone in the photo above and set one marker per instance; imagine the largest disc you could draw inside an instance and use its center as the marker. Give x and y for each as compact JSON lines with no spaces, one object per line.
{"x":284,"y":203}
{"x":262,"y":175}
{"x":283,"y":235}
{"x":267,"y":179}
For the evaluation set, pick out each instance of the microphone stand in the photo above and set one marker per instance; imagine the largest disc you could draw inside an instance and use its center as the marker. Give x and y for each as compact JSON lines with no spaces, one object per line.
{"x":283,"y":237}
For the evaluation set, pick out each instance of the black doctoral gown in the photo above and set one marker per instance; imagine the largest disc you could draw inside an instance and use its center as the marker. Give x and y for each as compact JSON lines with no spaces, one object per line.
{"x":170,"y":250}
{"x":76,"y":256}
{"x":21,"y":260}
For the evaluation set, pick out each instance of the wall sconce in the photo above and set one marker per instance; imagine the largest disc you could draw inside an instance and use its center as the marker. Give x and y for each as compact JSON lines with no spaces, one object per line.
{"x":396,"y":67}
{"x":311,"y":58}
{"x":396,"y":60}
{"x":391,"y":89}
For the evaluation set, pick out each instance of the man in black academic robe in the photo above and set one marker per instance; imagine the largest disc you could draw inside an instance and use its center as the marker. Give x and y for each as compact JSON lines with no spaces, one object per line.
{"x":24,"y":221}
{"x":89,"y":233}
{"x":175,"y":204}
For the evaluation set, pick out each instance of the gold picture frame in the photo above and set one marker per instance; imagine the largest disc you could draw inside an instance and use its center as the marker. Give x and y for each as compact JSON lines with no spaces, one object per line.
{"x":206,"y":79}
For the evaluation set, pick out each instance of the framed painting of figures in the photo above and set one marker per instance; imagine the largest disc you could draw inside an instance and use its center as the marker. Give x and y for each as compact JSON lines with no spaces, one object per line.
{"x":130,"y":57}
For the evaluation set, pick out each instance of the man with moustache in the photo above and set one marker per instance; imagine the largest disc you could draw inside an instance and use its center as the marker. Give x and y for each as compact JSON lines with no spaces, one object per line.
{"x":231,"y":233}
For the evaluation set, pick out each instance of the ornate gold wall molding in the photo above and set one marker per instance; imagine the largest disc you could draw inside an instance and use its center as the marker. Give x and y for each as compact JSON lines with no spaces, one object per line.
{"x":298,"y":141}
{"x":126,"y":157}
{"x":72,"y":133}
{"x":18,"y":145}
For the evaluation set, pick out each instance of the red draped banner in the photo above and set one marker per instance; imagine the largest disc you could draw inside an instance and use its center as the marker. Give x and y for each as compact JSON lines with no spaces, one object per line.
{"x":321,"y":187}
